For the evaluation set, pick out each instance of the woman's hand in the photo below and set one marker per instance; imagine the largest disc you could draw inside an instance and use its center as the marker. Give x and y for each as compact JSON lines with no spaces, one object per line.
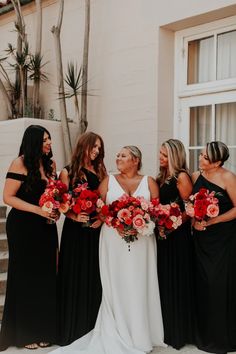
{"x":82,"y":217}
{"x":96,"y":224}
{"x":55,"y":215}
{"x":123,"y":233}
{"x":44,"y":213}
{"x":200,"y":225}
{"x":161,"y":231}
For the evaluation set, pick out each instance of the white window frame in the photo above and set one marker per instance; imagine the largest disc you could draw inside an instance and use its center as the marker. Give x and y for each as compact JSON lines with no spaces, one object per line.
{"x":200,"y":94}
{"x":181,"y":58}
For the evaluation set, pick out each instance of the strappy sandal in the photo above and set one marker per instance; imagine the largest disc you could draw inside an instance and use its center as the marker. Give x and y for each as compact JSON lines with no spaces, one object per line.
{"x":32,"y":346}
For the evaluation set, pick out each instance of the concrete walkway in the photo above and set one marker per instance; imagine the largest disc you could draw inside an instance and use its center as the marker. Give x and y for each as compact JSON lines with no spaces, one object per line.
{"x":186,"y":350}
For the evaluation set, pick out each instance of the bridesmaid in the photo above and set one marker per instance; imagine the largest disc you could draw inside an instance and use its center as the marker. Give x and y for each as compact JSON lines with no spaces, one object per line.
{"x":175,"y":253}
{"x":29,"y":317}
{"x":79,"y":285}
{"x":215,"y":250}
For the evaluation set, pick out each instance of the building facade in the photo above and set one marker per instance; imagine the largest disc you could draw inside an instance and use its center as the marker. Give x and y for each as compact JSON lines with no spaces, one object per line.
{"x":157,"y":69}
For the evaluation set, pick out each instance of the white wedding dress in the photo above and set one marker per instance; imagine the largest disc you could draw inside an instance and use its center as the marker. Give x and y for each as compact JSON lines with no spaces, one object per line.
{"x":129,"y":319}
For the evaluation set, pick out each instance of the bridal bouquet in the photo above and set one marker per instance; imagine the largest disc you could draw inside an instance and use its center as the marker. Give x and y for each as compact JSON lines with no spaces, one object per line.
{"x":202,"y":205}
{"x":130,"y":216}
{"x":168,"y":217}
{"x":55,"y":197}
{"x":84,"y":200}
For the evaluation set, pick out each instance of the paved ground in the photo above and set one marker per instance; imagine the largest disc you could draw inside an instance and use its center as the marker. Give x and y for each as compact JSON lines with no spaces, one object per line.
{"x":186,"y":350}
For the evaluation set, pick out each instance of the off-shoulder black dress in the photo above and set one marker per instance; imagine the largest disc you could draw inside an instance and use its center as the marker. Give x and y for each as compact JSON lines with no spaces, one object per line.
{"x":79,"y":284}
{"x":215,"y":260}
{"x":30,"y":306}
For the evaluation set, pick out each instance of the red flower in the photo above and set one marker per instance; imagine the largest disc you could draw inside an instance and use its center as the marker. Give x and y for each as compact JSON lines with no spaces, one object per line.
{"x":84,"y":200}
{"x":202,"y":205}
{"x":127,"y":214}
{"x":55,"y":195}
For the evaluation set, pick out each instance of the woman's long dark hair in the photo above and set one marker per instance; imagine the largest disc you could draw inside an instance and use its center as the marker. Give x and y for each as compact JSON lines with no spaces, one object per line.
{"x":83,"y":148}
{"x":31,"y":151}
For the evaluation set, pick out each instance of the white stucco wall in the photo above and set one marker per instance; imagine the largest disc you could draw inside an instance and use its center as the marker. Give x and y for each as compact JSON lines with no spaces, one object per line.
{"x":131,"y":64}
{"x":11,"y":133}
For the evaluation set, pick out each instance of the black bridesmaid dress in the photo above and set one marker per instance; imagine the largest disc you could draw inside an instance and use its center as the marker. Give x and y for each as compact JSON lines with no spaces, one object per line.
{"x":215,"y":260}
{"x":175,"y":274}
{"x":30,"y":306}
{"x":79,"y":284}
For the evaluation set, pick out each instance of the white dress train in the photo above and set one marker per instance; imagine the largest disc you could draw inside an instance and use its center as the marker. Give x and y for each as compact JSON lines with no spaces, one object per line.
{"x":129,"y":319}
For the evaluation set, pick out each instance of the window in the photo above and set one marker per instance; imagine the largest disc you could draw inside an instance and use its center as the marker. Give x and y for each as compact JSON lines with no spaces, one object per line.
{"x":206,"y":88}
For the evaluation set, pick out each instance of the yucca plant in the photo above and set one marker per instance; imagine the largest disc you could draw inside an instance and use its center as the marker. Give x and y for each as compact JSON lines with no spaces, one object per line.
{"x":73,"y":79}
{"x":76,"y":87}
{"x":20,"y":64}
{"x":36,"y":74}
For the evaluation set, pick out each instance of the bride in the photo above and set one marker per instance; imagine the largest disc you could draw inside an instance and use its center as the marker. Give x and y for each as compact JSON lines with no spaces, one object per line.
{"x":129,"y":319}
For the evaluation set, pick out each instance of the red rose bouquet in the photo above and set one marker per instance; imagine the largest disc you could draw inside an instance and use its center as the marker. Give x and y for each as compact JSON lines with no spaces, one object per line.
{"x":202,"y":205}
{"x":168,"y":217}
{"x":55,"y":197}
{"x":130,"y":216}
{"x":84,"y":200}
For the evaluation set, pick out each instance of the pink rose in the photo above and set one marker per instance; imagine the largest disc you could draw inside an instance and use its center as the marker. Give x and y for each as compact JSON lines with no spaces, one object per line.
{"x":189,"y":209}
{"x":123,"y":214}
{"x":144,"y":204}
{"x":108,"y":220}
{"x":64,"y":207}
{"x":47,"y":206}
{"x":100,"y":203}
{"x":88,"y":204}
{"x":138,"y":222}
{"x":212,"y":210}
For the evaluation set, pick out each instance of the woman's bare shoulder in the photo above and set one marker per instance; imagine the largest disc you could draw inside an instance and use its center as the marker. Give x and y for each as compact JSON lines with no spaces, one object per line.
{"x":195,"y":176}
{"x":17,"y":166}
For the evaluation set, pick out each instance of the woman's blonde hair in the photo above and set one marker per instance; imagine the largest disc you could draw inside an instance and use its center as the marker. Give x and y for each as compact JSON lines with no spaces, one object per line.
{"x":176,"y":159}
{"x":136,"y":153}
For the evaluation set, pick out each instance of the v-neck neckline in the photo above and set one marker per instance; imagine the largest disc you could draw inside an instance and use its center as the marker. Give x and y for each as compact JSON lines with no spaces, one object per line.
{"x":130,"y":195}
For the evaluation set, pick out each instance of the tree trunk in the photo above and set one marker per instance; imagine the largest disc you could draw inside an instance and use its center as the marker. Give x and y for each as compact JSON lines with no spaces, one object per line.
{"x":6,"y":97}
{"x":84,"y":121}
{"x":76,"y":108}
{"x":56,"y":30}
{"x":36,"y":89}
{"x":21,"y":39}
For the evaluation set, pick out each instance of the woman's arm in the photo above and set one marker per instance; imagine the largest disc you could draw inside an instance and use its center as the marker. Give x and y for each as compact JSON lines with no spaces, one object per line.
{"x":185,"y":187}
{"x":103,"y":188}
{"x":12,"y":186}
{"x":153,"y":188}
{"x":64,"y":177}
{"x":229,"y":180}
{"x":81,"y":217}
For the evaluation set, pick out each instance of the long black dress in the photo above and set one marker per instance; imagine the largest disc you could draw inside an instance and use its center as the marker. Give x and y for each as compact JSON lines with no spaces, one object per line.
{"x":79,"y":285}
{"x":30,"y":306}
{"x":215,"y":258}
{"x":175,"y":273}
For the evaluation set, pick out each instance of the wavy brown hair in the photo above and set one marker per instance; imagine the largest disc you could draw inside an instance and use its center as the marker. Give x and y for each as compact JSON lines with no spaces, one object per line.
{"x":82,"y":150}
